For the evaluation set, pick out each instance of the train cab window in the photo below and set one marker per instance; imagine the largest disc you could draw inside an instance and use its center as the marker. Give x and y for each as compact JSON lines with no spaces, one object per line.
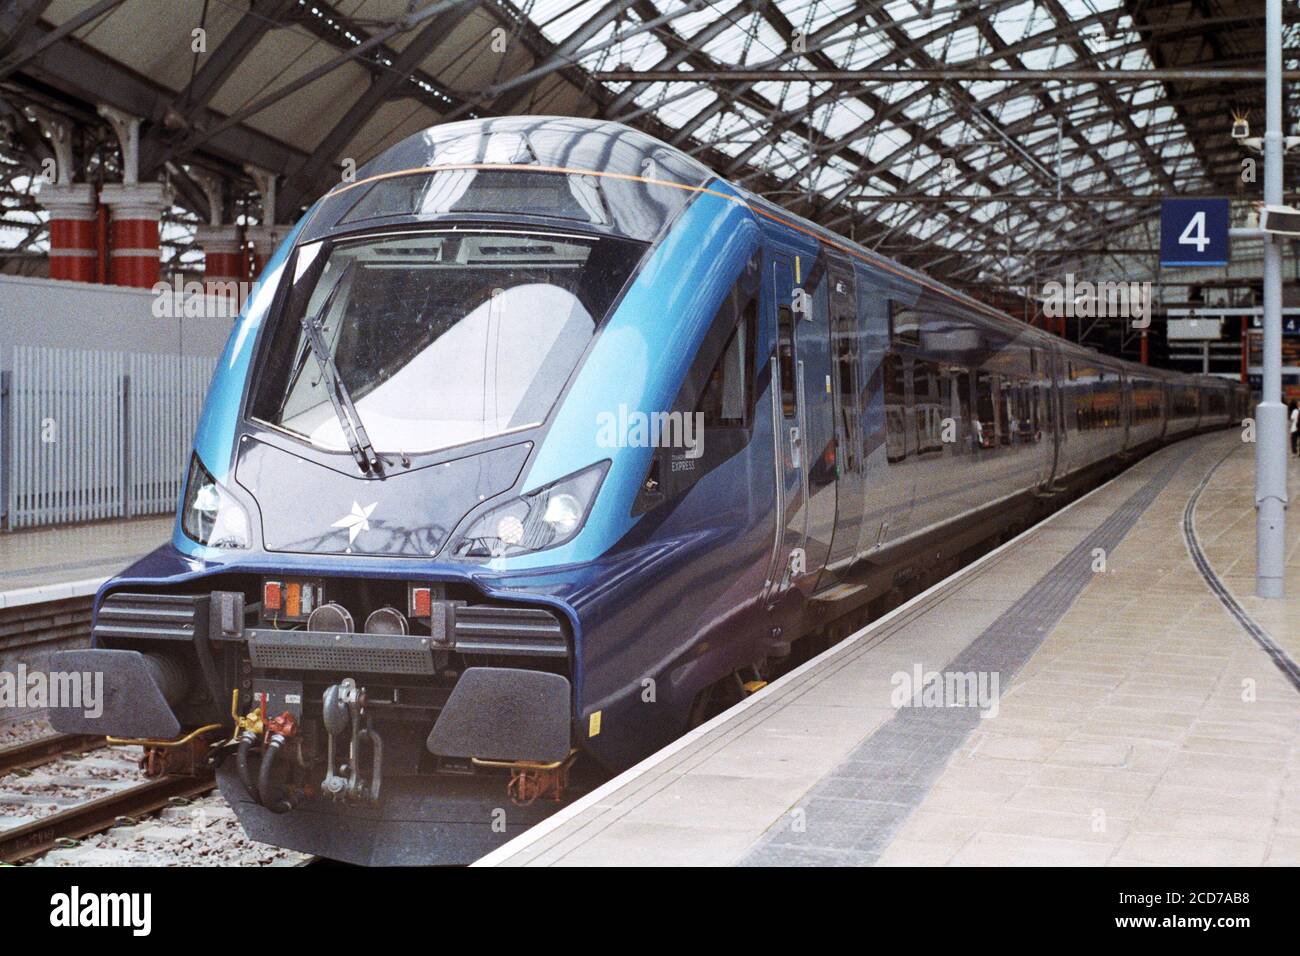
{"x":712,"y":417}
{"x":441,"y":339}
{"x":728,"y":397}
{"x":785,"y":358}
{"x":894,"y":373}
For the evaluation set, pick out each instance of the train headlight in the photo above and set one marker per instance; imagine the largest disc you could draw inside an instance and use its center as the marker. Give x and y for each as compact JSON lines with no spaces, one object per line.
{"x":563,"y":513}
{"x":545,"y":518}
{"x":210,"y":515}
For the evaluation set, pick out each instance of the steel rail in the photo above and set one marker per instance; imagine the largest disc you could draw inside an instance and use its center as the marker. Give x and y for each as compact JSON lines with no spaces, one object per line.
{"x":34,"y":753}
{"x":40,"y":836}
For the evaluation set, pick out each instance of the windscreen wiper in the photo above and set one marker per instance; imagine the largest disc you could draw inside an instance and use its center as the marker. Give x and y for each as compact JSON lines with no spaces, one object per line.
{"x":353,"y":430}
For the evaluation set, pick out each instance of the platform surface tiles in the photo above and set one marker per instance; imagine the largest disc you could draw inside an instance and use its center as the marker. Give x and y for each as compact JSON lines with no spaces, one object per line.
{"x":1105,"y":689}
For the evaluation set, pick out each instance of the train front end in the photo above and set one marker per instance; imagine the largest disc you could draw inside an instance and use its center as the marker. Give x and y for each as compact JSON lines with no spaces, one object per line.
{"x":371,"y":616}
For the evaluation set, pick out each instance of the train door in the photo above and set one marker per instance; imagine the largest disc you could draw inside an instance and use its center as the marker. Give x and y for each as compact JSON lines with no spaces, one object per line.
{"x":803,"y":421}
{"x":788,"y":552}
{"x":1126,"y":405}
{"x":1055,"y":409}
{"x":846,"y":371}
{"x":816,"y":381}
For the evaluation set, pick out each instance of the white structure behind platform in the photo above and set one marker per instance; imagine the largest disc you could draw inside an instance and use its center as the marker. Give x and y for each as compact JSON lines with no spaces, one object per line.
{"x":100,"y":392}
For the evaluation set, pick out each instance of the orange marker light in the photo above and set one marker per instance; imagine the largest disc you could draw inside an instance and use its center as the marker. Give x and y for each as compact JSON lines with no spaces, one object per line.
{"x":293,"y":600}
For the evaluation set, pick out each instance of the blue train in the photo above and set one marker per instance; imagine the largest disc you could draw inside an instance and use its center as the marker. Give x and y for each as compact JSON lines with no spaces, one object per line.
{"x":538,"y":442}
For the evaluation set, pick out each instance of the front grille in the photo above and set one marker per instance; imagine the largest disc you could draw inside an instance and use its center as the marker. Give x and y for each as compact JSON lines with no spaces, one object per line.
{"x":501,"y":629}
{"x":155,"y":617}
{"x":363,"y":653}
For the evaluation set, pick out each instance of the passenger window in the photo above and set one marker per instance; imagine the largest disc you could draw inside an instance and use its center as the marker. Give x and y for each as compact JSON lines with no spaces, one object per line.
{"x":904,"y":328}
{"x":785,"y":358}
{"x":928,"y":405}
{"x":986,"y":419}
{"x":1007,"y":411}
{"x":960,"y":408}
{"x":895,"y":381}
{"x":846,"y":345}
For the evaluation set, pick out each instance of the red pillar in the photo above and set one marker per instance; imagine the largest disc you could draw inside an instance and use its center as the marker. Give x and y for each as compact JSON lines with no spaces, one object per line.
{"x":73,"y":249}
{"x":222,"y":269}
{"x":133,"y":232}
{"x":221,"y":251}
{"x":101,"y":242}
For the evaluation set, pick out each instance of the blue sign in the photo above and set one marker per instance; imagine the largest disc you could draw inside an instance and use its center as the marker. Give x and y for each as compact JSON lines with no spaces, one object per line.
{"x":1290,"y":324}
{"x":1194,"y":232}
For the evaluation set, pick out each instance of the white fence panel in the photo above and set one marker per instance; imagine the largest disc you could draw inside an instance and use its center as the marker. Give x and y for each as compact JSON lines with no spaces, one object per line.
{"x":164,"y":401}
{"x":96,"y":435}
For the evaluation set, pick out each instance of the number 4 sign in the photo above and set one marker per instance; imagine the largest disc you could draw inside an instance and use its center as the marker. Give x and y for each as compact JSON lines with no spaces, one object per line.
{"x":1194,"y":232}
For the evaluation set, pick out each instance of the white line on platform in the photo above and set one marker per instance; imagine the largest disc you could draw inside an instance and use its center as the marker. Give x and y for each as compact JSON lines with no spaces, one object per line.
{"x":562,"y":816}
{"x":50,"y":592}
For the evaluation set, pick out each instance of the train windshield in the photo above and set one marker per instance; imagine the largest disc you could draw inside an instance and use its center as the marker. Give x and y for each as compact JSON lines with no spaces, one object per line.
{"x":439,"y":338}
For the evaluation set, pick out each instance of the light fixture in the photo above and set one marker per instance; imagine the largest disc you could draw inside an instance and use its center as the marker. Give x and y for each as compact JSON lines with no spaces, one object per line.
{"x":1280,"y":220}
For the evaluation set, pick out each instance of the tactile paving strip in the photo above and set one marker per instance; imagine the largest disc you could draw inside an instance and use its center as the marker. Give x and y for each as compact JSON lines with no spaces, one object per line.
{"x":1284,"y":662}
{"x":864,"y":801}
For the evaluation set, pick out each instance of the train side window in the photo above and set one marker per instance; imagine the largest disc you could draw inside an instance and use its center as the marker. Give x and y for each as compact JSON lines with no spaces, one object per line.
{"x":894,"y":374}
{"x":785,"y":358}
{"x":986,"y":416}
{"x":928,"y":402}
{"x":1027,"y":412}
{"x":959,"y":407}
{"x":904,"y":327}
{"x":1008,"y":417}
{"x":728,"y":397}
{"x":846,"y":347}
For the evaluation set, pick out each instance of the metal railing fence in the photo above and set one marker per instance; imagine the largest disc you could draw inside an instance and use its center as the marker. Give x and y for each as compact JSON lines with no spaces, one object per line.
{"x":87,"y":435}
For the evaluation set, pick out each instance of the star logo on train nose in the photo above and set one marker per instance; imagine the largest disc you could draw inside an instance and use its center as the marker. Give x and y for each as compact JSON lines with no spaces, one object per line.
{"x":356,"y":522}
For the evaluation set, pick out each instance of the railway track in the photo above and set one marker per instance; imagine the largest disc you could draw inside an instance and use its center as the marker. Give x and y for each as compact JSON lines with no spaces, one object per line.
{"x":42,"y":750}
{"x":76,"y":802}
{"x":40,"y":836}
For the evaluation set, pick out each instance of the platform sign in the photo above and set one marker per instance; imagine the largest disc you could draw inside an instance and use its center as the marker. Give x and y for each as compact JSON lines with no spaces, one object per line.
{"x":1290,"y":324}
{"x":1194,"y":232}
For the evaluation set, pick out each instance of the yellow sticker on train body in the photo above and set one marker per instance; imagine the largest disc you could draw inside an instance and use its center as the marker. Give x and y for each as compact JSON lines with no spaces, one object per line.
{"x":593,"y":724}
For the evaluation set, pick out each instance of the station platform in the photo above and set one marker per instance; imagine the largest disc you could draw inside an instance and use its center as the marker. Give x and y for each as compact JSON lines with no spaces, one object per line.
{"x":1141,"y":706}
{"x":50,"y":564}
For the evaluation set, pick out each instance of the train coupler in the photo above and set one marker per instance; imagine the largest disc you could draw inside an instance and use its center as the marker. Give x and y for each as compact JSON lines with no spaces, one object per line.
{"x":531,"y":781}
{"x":344,"y":714}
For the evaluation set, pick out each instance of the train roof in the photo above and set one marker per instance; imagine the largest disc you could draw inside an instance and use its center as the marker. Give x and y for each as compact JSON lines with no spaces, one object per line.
{"x":628,"y":160}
